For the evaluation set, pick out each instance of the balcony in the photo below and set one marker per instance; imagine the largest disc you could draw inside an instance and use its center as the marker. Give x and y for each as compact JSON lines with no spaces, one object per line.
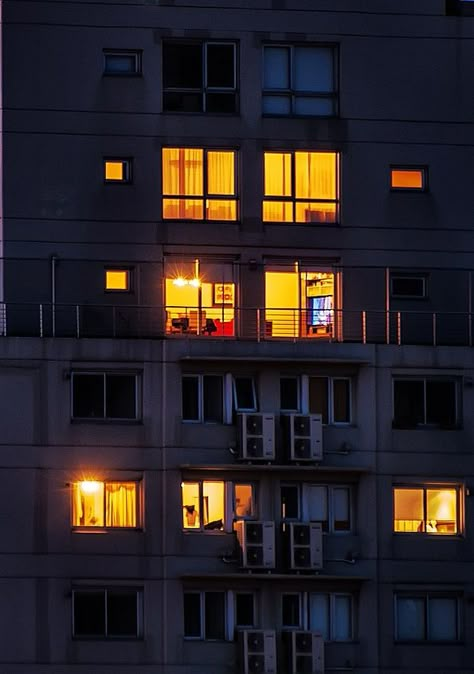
{"x":254,"y":324}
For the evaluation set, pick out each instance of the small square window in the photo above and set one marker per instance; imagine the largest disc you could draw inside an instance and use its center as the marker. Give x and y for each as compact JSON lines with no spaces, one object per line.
{"x":117,"y":280}
{"x":117,"y":170}
{"x":408,"y":286}
{"x":409,"y":178}
{"x":122,"y":62}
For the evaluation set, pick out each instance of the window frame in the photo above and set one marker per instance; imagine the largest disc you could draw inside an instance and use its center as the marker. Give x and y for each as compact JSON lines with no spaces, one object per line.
{"x":291,"y":93}
{"x":424,"y":487}
{"x":411,"y":168}
{"x":330,"y":528}
{"x":129,"y":278}
{"x":426,"y":596}
{"x":305,"y":387}
{"x":204,"y":89}
{"x":202,"y":615}
{"x":127,"y":170}
{"x":292,"y":199}
{"x":200,"y":377}
{"x":425,"y":425}
{"x":138,"y":482}
{"x":305,"y":612}
{"x":107,"y":373}
{"x":137,"y":57}
{"x":394,"y":276}
{"x":90,"y":589}
{"x":229,"y":505}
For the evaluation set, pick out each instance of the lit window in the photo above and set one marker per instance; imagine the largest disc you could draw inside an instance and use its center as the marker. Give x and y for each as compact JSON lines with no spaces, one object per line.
{"x":215,"y":505}
{"x":104,"y":395}
{"x":107,"y":613}
{"x":199,"y":77}
{"x":244,"y":501}
{"x":299,"y":81}
{"x":427,"y":617}
{"x":122,"y":62}
{"x":301,"y":187}
{"x":117,"y":170}
{"x":425,"y":402}
{"x":104,"y":504}
{"x":429,"y":510}
{"x":199,"y":184}
{"x":408,"y":286}
{"x":117,"y":280}
{"x":408,"y":178}
{"x":328,"y":614}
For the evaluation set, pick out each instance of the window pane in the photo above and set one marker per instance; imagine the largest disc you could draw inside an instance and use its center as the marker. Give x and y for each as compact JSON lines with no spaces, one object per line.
{"x":120,"y":396}
{"x":277,"y":168}
{"x":276,"y":72}
{"x":191,"y":507}
{"x":342,"y":623}
{"x":318,"y":397}
{"x":182,"y":170}
{"x":408,"y":286}
{"x":290,"y":610}
{"x":318,"y":504}
{"x":313,"y":69}
{"x":215,"y":615}
{"x":88,"y":396}
{"x":220,"y":65}
{"x":289,"y":393}
{"x":220,"y":173}
{"x":407,"y":179}
{"x":121,"y":504}
{"x":408,"y":510}
{"x":315,"y":175}
{"x":121,"y":63}
{"x":411,"y":619}
{"x":408,"y":403}
{"x":441,"y":403}
{"x":117,"y":279}
{"x":182,"y":65}
{"x":442,"y":619}
{"x":341,"y":506}
{"x":316,"y":107}
{"x":213,"y":400}
{"x":221,"y":102}
{"x":190,"y":398}
{"x":289,"y":501}
{"x":244,"y":610}
{"x":319,"y":614}
{"x":213,"y":505}
{"x":122,"y":619}
{"x":115,"y":171}
{"x":244,"y":393}
{"x":341,"y":400}
{"x":192,"y":614}
{"x":277,"y":105}
{"x":182,"y":102}
{"x":89,"y":613}
{"x":441,"y":511}
{"x":243,"y":498}
{"x":88,"y":504}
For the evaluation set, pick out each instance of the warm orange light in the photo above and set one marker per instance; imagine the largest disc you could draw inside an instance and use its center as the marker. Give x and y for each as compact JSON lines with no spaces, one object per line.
{"x":408,"y":179}
{"x":114,"y":170}
{"x":116,"y":279}
{"x":180,"y":281}
{"x":90,"y":487}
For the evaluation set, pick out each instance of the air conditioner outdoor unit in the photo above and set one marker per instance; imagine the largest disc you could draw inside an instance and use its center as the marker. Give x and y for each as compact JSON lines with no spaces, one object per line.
{"x":257,"y":436}
{"x":306,"y":545}
{"x":258,"y":651}
{"x":306,"y":653}
{"x":257,"y":542}
{"x":304,"y":437}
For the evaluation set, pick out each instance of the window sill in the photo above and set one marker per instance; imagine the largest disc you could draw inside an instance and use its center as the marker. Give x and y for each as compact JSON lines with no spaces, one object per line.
{"x":107,"y":421}
{"x":105,"y":530}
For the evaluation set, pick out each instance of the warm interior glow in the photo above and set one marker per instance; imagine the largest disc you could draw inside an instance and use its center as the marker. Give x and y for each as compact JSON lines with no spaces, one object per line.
{"x":211,"y":503}
{"x":110,"y":504}
{"x":243,"y":500}
{"x":114,"y":170}
{"x":116,"y":279}
{"x":89,"y":487}
{"x":407,"y":179}
{"x":432,"y":511}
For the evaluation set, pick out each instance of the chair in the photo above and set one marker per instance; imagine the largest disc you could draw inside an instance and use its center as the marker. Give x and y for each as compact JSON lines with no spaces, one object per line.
{"x":180,"y":324}
{"x":209,"y":327}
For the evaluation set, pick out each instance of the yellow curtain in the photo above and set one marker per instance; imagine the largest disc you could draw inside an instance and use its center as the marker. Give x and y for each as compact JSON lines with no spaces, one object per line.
{"x":221,"y":181}
{"x":277,"y":183}
{"x":121,"y":504}
{"x":182,"y":175}
{"x":315,"y":178}
{"x":88,"y":506}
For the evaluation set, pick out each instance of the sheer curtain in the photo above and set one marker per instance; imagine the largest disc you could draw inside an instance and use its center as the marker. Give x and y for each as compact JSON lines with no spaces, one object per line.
{"x":315,"y":178}
{"x":182,"y":171}
{"x":277,"y":183}
{"x":221,"y":181}
{"x":121,"y":504}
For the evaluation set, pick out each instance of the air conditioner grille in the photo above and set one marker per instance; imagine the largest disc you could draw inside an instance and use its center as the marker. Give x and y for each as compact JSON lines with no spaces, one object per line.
{"x":254,"y":532}
{"x":303,"y":642}
{"x":255,"y":642}
{"x":254,"y":447}
{"x":254,"y":424}
{"x":304,"y":664}
{"x":302,"y":425}
{"x":301,"y":534}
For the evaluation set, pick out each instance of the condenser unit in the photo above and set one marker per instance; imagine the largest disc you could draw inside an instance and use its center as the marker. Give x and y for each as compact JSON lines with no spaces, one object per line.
{"x":304,"y":437}
{"x":257,"y":542}
{"x":305,"y":546}
{"x":305,"y":653}
{"x":258,"y":651}
{"x":257,"y":436}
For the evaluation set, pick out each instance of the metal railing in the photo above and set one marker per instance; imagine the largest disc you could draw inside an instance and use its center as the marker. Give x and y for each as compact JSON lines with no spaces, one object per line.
{"x":255,"y":323}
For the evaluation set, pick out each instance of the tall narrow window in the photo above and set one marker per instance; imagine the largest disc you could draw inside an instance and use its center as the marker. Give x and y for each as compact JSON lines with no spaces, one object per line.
{"x":199,"y":184}
{"x":301,"y":187}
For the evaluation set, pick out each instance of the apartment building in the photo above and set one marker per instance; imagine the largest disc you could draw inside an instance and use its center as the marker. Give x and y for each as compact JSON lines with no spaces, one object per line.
{"x":236,"y":372}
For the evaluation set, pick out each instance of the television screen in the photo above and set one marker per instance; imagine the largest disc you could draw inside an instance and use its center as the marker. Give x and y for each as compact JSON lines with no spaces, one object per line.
{"x":320,"y":310}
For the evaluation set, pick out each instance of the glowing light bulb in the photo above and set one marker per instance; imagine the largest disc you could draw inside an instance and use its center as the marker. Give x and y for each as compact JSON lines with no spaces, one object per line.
{"x":180,"y":281}
{"x":90,"y":487}
{"x":195,"y":282}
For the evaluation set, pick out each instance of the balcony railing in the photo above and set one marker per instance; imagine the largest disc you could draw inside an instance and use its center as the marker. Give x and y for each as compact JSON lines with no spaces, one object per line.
{"x":257,"y":324}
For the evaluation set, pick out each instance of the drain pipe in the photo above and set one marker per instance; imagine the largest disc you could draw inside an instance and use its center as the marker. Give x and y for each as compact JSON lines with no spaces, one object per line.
{"x":54,"y":260}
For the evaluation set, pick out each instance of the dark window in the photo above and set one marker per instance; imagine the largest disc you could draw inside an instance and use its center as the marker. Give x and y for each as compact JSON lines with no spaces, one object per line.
{"x":427,"y":617}
{"x":122,"y":62}
{"x":244,"y":609}
{"x":330,"y":397}
{"x":289,"y":399}
{"x":190,"y":395}
{"x":202,"y":398}
{"x":245,"y":399}
{"x":408,"y":286}
{"x":341,"y":400}
{"x":104,"y":396}
{"x":212,"y":398}
{"x":192,"y":614}
{"x":199,"y":77}
{"x":214,"y":615}
{"x":290,"y":609}
{"x":290,"y":501}
{"x":111,"y":613}
{"x":204,"y":615}
{"x":418,"y":402}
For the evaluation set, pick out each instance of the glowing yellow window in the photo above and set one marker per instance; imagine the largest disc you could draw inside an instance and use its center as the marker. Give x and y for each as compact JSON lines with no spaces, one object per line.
{"x":408,"y":178}
{"x":117,"y":279}
{"x":203,"y":505}
{"x":109,"y":504}
{"x":199,"y":184}
{"x":117,"y":170}
{"x":300,"y":187}
{"x":423,"y":510}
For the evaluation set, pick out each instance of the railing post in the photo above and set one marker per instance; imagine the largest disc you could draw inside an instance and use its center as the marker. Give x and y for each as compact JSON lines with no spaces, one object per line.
{"x":259,"y":327}
{"x":78,"y":330}
{"x":364,"y":327}
{"x":399,"y":328}
{"x":434,"y":328}
{"x":387,"y":326}
{"x":469,"y":318}
{"x":41,"y":320}
{"x":114,"y":326}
